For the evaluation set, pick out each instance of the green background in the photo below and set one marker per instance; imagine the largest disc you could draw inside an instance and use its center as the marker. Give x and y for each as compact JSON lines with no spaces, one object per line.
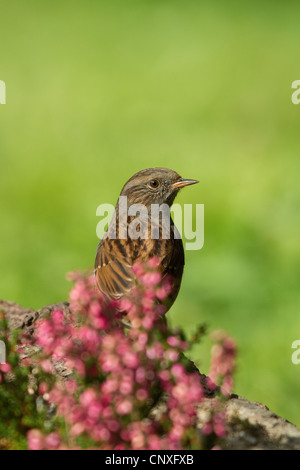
{"x":97,"y":90}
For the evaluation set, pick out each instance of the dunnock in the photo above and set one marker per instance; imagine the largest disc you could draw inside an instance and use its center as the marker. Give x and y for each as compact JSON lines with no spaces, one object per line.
{"x":130,"y":240}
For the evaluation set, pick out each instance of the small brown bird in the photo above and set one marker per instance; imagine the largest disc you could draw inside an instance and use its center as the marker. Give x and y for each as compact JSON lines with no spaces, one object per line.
{"x":131,"y":240}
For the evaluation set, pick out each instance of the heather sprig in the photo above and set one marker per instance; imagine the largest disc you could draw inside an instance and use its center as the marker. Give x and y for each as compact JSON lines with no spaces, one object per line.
{"x":126,"y":384}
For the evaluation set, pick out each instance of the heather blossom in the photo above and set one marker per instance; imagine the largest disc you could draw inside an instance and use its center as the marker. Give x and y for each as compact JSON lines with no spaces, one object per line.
{"x":121,"y":372}
{"x":223,"y":357}
{"x":122,"y":360}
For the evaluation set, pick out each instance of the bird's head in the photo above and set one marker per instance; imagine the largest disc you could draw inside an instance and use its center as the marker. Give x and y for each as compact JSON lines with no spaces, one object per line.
{"x":154,"y":186}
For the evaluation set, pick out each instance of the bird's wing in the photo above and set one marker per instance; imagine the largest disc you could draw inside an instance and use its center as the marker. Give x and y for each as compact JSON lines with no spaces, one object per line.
{"x":113,"y":268}
{"x":115,"y":258}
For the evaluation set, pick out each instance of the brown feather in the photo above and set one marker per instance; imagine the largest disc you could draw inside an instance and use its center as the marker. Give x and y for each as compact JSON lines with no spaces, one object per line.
{"x":116,"y":256}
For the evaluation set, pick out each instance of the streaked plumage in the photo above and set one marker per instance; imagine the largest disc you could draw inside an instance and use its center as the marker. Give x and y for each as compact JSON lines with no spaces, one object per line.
{"x":115,"y":257}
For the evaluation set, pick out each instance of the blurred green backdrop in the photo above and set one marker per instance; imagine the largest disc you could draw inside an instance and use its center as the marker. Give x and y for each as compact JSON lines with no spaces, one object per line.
{"x":97,"y":90}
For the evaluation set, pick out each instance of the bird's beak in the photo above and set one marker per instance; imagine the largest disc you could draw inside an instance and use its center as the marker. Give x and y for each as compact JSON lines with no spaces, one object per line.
{"x":181,"y":183}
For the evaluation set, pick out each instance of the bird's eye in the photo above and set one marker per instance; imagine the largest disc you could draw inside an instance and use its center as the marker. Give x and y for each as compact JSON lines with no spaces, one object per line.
{"x":153,"y":184}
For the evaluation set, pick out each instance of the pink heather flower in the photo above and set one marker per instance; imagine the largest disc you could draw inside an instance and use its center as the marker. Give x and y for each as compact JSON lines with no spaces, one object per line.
{"x":89,"y":337}
{"x":126,"y":386}
{"x":123,"y":348}
{"x":137,"y":438}
{"x":219,"y":427}
{"x":71,"y":386}
{"x":99,"y":319}
{"x":125,"y":434}
{"x":173,"y":341}
{"x":207,"y":429}
{"x":52,"y":441}
{"x":43,"y":388}
{"x":142,"y":339}
{"x":216,"y":421}
{"x":210,"y":384}
{"x":108,"y":412}
{"x":155,"y":351}
{"x":5,"y":368}
{"x":77,"y":429}
{"x":110,"y":385}
{"x":95,"y":308}
{"x":47,"y":366}
{"x":195,"y":389}
{"x":140,"y":374}
{"x":61,"y":346}
{"x":172,"y":355}
{"x":78,"y":365}
{"x":153,"y":263}
{"x":124,"y":407}
{"x":176,"y":432}
{"x":35,"y":440}
{"x":55,"y":396}
{"x":180,"y":391}
{"x":151,"y":279}
{"x":101,"y":433}
{"x":164,"y":375}
{"x":66,"y":403}
{"x":120,"y":369}
{"x":177,"y":370}
{"x":57,"y":317}
{"x":113,"y":425}
{"x":138,"y":269}
{"x":226,"y":387}
{"x":126,"y":304}
{"x":87,"y":397}
{"x":76,"y":415}
{"x":161,"y":293}
{"x":110,"y":362}
{"x":148,"y":302}
{"x":147,"y":322}
{"x":223,"y":361}
{"x":165,"y":289}
{"x":94,"y":410}
{"x":155,"y":442}
{"x":100,"y":322}
{"x":142,"y":394}
{"x":45,"y":335}
{"x":109,"y":342}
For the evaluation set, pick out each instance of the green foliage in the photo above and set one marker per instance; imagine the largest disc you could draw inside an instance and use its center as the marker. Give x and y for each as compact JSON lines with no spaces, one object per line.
{"x":18,"y":407}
